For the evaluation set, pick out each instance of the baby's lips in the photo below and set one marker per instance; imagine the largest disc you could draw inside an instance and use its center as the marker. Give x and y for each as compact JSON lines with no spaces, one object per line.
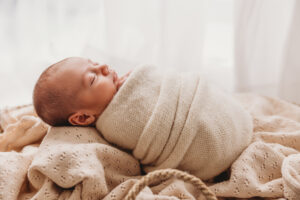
{"x":115,"y":77}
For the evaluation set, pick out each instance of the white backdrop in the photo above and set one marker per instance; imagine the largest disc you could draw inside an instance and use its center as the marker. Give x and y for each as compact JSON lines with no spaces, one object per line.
{"x":188,"y":36}
{"x":241,"y":46}
{"x":267,"y":41}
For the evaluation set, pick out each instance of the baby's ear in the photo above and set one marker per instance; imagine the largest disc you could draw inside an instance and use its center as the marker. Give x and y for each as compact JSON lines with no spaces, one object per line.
{"x":81,"y":119}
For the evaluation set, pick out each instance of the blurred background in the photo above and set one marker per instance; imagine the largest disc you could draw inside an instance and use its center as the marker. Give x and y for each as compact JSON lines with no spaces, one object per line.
{"x":242,"y":46}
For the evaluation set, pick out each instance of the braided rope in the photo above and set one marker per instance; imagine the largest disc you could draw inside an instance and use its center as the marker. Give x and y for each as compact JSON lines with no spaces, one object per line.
{"x":164,"y":174}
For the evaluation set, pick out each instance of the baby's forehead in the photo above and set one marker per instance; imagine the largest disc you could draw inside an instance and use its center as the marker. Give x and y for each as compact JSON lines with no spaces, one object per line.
{"x":68,"y":74}
{"x":72,"y":67}
{"x":74,"y":63}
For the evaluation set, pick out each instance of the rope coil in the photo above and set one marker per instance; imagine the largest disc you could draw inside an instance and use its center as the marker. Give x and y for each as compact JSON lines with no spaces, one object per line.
{"x":164,"y":174}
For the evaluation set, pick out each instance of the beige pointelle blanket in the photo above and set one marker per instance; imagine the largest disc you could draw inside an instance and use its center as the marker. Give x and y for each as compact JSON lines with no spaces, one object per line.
{"x":176,"y":120}
{"x":76,"y":163}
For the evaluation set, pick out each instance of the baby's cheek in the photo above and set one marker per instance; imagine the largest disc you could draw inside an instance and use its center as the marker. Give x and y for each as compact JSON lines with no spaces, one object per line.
{"x":104,"y":96}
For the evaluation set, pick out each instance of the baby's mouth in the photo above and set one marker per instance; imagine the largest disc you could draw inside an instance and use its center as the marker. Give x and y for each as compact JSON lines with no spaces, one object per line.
{"x":115,"y":77}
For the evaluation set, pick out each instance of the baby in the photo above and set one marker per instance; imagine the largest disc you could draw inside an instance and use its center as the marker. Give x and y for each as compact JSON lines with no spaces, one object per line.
{"x":75,"y":91}
{"x":167,"y":119}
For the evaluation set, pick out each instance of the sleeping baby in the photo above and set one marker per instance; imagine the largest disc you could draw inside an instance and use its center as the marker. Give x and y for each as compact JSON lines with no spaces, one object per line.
{"x":75,"y":91}
{"x":167,"y":119}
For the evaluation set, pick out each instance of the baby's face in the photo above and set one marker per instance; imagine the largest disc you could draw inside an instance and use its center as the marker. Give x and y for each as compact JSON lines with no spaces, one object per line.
{"x":94,"y":84}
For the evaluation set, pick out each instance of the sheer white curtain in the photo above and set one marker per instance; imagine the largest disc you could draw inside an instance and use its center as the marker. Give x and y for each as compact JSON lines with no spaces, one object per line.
{"x":185,"y":35}
{"x":193,"y":35}
{"x":197,"y":35}
{"x":290,"y":80}
{"x":36,"y":33}
{"x":267,"y":46}
{"x":165,"y":33}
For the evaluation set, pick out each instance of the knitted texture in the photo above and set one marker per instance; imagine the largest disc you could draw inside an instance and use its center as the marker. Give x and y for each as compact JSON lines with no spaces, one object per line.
{"x":173,"y":120}
{"x":22,"y":127}
{"x":270,"y":166}
{"x":76,"y":163}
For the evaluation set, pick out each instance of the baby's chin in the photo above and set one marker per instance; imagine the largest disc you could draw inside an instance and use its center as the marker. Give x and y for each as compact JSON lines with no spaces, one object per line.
{"x":119,"y":84}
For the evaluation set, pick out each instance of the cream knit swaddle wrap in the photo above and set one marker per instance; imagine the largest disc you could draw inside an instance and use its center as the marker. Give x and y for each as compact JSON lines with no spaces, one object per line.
{"x":176,"y":120}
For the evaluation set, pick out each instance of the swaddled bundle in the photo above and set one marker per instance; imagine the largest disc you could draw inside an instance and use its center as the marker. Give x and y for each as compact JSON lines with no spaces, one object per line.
{"x":176,"y":120}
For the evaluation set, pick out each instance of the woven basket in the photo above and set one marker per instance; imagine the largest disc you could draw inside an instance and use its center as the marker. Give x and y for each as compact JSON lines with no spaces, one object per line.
{"x":164,"y":174}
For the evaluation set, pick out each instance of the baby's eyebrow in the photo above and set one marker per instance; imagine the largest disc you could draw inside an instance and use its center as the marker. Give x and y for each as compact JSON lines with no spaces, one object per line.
{"x":92,"y":62}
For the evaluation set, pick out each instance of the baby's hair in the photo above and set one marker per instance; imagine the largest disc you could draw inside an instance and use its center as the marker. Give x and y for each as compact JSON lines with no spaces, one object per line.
{"x":50,"y":102}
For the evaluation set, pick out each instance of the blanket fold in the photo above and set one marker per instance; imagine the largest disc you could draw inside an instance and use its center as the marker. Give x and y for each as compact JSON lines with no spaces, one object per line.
{"x":268,"y":168}
{"x":72,"y":156}
{"x":172,"y":120}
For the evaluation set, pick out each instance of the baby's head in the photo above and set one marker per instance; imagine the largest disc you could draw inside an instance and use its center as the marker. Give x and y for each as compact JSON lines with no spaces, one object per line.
{"x":74,"y":91}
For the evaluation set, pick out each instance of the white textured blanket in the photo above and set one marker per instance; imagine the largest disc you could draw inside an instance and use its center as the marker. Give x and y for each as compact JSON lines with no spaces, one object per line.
{"x":270,"y":166}
{"x":173,"y":120}
{"x":75,"y":164}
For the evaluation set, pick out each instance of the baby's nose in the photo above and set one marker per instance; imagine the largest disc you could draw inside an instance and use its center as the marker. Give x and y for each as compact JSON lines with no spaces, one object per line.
{"x":104,"y":69}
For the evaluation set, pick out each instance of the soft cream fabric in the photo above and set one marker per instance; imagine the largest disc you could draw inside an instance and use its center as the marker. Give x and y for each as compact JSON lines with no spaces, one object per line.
{"x":76,"y":163}
{"x":22,"y":127}
{"x":270,"y":166}
{"x":176,"y":120}
{"x":71,"y":161}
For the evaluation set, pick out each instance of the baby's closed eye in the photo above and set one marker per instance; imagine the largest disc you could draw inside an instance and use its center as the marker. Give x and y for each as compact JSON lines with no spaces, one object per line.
{"x":92,"y":79}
